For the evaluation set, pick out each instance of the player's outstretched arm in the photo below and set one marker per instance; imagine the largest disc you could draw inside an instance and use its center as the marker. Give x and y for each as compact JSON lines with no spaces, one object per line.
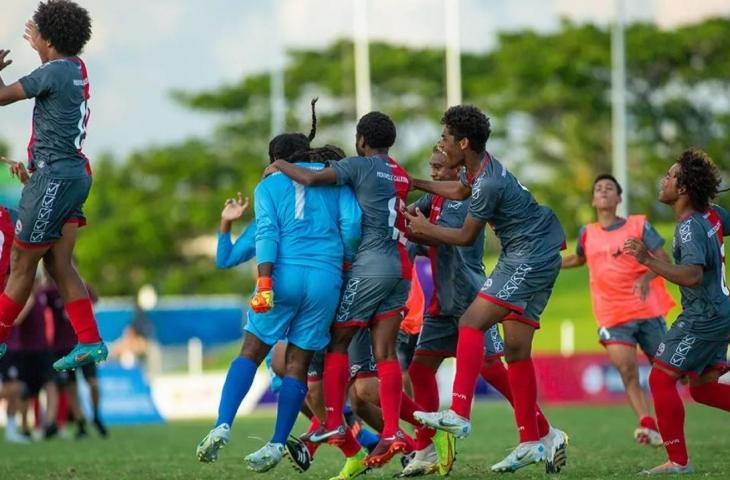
{"x":682,"y":275}
{"x":13,"y":92}
{"x":464,"y":236}
{"x":304,"y":176}
{"x":573,"y":260}
{"x":453,"y":190}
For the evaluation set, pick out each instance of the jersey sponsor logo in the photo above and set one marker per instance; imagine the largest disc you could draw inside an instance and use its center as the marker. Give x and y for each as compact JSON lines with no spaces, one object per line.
{"x":81,"y":83}
{"x":393,"y":178}
{"x":454,"y":205}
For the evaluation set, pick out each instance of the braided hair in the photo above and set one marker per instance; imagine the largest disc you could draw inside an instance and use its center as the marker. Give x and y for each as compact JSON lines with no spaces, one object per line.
{"x":285,"y":145}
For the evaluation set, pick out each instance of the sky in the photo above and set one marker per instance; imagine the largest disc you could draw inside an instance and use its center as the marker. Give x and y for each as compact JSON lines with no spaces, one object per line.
{"x":141,"y":50}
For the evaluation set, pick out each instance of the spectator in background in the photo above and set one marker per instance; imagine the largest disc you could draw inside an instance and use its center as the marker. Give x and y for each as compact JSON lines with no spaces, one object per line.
{"x":37,"y":362}
{"x":64,"y":340}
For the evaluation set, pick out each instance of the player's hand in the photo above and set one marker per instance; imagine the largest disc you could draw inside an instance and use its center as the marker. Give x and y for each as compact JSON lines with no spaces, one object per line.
{"x":31,"y":35}
{"x":417,"y":223}
{"x":641,"y":287}
{"x":272,"y":168}
{"x":637,"y":249}
{"x":17,"y":169}
{"x":263,"y":300}
{"x":234,"y":208}
{"x":4,"y":61}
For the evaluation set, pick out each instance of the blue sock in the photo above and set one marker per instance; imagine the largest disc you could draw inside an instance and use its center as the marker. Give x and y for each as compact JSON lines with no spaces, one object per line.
{"x":291,"y":398}
{"x":238,"y":382}
{"x":367,"y":438}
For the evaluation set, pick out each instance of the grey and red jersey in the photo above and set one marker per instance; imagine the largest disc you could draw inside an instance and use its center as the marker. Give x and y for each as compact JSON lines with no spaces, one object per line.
{"x":381,"y":187}
{"x":458,"y":272}
{"x":529,"y":232}
{"x":61,"y":91}
{"x":698,"y":240}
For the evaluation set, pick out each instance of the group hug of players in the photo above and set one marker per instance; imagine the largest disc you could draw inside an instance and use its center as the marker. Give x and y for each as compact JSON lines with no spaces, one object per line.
{"x":334,"y":240}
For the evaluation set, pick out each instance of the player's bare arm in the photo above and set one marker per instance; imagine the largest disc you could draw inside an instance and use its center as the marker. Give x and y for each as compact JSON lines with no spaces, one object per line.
{"x":642,"y":285}
{"x":453,"y":190}
{"x":573,"y":260}
{"x":17,"y":169}
{"x":682,"y":275}
{"x":304,"y":176}
{"x":13,"y":92}
{"x":464,"y":236}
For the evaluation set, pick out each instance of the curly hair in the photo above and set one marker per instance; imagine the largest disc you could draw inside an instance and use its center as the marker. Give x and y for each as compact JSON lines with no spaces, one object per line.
{"x":377,"y":129}
{"x":285,"y":145}
{"x":65,"y":24}
{"x":699,"y":176}
{"x":467,"y":121}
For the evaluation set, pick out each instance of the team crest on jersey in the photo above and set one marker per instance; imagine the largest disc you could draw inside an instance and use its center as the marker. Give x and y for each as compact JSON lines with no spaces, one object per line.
{"x":18,"y":227}
{"x":660,"y":349}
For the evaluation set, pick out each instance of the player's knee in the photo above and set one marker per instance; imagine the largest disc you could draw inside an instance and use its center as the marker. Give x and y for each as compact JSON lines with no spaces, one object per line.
{"x":659,"y":379}
{"x":365,"y":391}
{"x":628,"y":371}
{"x":516,"y":351}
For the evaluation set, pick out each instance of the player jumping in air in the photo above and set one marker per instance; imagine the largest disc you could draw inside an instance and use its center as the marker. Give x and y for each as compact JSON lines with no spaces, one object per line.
{"x":50,"y":210}
{"x":696,"y":344}
{"x":629,"y":301}
{"x":515,"y":293}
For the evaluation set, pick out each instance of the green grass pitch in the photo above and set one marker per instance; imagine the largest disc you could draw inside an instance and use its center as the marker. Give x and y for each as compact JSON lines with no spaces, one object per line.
{"x":601,"y":447}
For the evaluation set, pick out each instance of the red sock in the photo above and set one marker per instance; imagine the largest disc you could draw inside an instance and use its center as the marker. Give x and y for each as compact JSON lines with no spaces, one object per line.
{"x":81,"y":315}
{"x":523,"y":384}
{"x":9,"y":311}
{"x":313,"y":425}
{"x":350,"y":447}
{"x":543,"y":426}
{"x":495,"y":374}
{"x":407,"y":407}
{"x":713,"y":394}
{"x":669,"y":414}
{"x":469,"y":351}
{"x":648,"y":422}
{"x":391,"y":390}
{"x":334,"y":382}
{"x":426,"y":394}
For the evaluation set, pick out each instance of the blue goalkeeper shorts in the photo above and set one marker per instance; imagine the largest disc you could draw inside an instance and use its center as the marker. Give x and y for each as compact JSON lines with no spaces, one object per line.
{"x":305,"y":302}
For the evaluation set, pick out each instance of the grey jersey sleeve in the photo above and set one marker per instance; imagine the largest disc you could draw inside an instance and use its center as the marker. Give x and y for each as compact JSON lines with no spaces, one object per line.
{"x":485,"y":197}
{"x":692,"y":244}
{"x":349,"y":170}
{"x":651,"y":237}
{"x":424,"y":204}
{"x":40,"y":81}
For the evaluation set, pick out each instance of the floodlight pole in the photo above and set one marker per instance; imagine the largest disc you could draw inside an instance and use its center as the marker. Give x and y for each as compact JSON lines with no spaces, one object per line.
{"x":277,"y":98}
{"x":453,"y":52}
{"x":363,"y":99}
{"x":618,"y":104}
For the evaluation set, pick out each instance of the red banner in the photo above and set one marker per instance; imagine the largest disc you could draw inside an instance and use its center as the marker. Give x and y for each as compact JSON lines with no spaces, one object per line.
{"x":586,"y":378}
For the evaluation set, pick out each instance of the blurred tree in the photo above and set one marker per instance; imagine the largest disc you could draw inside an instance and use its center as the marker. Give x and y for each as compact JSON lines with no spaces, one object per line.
{"x":548,"y":95}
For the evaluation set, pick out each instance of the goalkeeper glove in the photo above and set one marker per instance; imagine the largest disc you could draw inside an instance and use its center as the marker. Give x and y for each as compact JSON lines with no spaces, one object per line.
{"x":263,"y":300}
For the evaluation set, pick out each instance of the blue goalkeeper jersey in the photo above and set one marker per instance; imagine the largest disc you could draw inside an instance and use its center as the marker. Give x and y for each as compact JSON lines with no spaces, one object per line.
{"x":315,"y":227}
